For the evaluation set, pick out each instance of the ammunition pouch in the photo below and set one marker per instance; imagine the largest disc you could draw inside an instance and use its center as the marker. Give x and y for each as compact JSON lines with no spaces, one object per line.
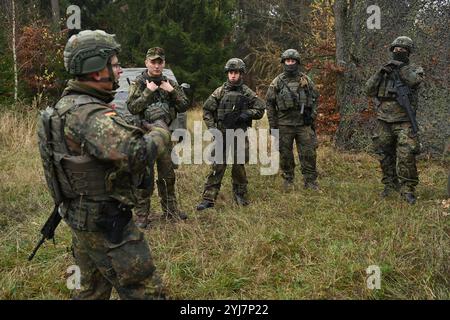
{"x":86,"y":176}
{"x":291,"y":96}
{"x":114,"y":217}
{"x":231,"y":106}
{"x":158,"y":111}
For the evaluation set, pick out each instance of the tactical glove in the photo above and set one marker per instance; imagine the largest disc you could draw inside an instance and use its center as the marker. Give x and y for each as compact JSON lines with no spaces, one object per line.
{"x":243,"y":117}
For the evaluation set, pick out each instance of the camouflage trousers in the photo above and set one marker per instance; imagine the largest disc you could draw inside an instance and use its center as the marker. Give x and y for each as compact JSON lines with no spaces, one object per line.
{"x":397,"y":146}
{"x":238,"y":174}
{"x":127,"y":266}
{"x":306,"y":141}
{"x":165,"y":184}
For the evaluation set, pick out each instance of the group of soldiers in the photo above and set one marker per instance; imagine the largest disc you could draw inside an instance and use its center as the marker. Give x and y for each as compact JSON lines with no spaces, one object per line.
{"x":99,"y":166}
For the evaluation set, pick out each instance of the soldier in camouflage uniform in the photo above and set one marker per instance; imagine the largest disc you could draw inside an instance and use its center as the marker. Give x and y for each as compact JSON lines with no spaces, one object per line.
{"x":291,"y":103}
{"x":150,"y":96}
{"x":394,"y":140}
{"x":93,"y":160}
{"x":231,"y":106}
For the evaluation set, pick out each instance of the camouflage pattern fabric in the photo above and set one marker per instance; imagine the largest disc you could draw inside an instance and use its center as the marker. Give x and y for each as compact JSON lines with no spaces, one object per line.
{"x":255,"y":111}
{"x":140,"y":98}
{"x":291,"y":123}
{"x":389,"y":110}
{"x":291,"y":116}
{"x":306,"y":141}
{"x":393,"y":140}
{"x":166,"y":188}
{"x":127,"y":266}
{"x":238,"y":174}
{"x":397,"y":146}
{"x":97,"y":130}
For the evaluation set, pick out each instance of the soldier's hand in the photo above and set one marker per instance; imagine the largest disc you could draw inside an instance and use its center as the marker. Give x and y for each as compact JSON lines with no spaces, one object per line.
{"x":166,"y":86}
{"x":386,"y":69}
{"x":151,"y":86}
{"x":243,"y":117}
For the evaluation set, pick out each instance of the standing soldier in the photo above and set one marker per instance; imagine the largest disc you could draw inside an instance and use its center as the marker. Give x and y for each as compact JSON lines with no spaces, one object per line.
{"x":291,"y":103}
{"x":93,"y":160}
{"x":396,"y":86}
{"x":231,"y":106}
{"x":157,"y":99}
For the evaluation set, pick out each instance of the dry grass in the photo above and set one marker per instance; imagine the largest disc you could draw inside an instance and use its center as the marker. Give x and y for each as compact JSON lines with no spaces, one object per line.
{"x":301,"y":245}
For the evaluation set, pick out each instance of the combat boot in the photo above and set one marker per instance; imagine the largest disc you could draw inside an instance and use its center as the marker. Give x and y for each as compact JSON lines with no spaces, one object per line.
{"x":240,"y":194}
{"x":176,"y":215}
{"x":388,"y":191}
{"x":241,"y":200}
{"x":312,"y":185}
{"x":205,"y":204}
{"x":409,"y":197}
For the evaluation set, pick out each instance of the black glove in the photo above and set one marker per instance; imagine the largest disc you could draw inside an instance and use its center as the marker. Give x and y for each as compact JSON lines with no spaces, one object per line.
{"x":243,"y":117}
{"x":386,"y":69}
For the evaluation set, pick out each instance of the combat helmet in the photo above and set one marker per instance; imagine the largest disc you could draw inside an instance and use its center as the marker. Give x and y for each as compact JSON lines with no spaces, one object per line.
{"x":290,"y":54}
{"x":235,"y":64}
{"x":89,"y":51}
{"x":403,"y":42}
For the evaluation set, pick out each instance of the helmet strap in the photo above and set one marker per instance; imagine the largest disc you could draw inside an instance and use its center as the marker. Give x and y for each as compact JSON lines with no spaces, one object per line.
{"x":110,"y":77}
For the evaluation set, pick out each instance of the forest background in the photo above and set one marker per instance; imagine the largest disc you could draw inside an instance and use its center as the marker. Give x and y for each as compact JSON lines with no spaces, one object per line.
{"x":341,"y":42}
{"x":301,"y":245}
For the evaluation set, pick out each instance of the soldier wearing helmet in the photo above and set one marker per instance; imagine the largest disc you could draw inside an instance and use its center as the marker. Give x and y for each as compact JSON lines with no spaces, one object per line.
{"x":291,"y":103}
{"x":394,"y":140}
{"x":156,"y":99}
{"x":231,"y":107}
{"x":93,"y":161}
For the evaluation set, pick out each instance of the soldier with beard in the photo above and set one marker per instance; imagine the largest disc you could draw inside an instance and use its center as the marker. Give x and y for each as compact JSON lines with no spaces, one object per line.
{"x":291,"y":103}
{"x":395,"y":140}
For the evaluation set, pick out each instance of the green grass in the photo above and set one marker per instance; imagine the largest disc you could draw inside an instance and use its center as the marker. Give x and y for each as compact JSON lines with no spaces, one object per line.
{"x":300,"y":245}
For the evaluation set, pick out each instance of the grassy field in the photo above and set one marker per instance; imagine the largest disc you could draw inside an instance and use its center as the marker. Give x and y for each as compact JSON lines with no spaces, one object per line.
{"x":300,"y":245}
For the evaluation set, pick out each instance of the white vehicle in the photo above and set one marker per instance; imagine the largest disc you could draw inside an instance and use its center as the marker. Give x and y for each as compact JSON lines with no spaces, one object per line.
{"x":128,"y":75}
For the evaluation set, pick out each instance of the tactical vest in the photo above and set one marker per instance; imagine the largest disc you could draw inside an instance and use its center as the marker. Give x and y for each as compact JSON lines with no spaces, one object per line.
{"x":386,"y":88}
{"x":230,"y":102}
{"x":160,"y":99}
{"x":290,"y":95}
{"x":68,"y":176}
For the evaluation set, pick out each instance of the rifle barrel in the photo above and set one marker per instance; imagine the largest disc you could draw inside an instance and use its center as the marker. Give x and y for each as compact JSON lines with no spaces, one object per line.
{"x":36,"y":248}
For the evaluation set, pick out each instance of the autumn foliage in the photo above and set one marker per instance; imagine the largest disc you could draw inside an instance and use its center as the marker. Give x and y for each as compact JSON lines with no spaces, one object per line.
{"x":40,"y":57}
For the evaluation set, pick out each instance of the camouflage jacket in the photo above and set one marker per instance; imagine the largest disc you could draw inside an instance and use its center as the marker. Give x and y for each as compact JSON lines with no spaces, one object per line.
{"x":140,"y":97}
{"x":211,"y":105}
{"x":96,"y":130}
{"x":292,"y":116}
{"x":389,"y":109}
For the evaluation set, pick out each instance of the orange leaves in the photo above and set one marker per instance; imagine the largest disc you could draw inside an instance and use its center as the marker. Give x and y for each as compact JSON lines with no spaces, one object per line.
{"x":40,"y":54}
